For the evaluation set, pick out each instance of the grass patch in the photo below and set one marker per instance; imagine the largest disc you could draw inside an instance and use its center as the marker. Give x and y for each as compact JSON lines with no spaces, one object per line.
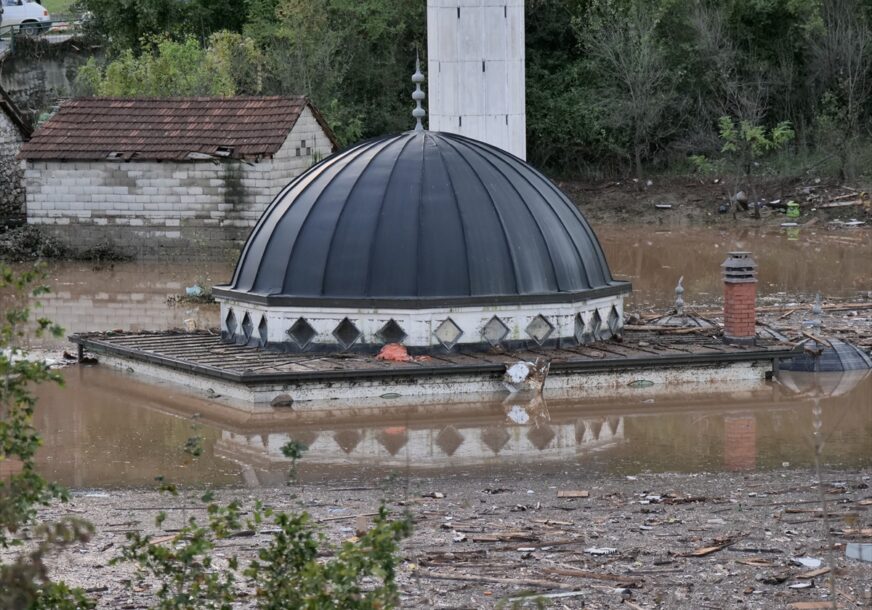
{"x":58,"y":6}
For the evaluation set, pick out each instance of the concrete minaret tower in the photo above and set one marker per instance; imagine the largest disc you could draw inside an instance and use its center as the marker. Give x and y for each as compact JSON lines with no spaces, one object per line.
{"x":475,"y":60}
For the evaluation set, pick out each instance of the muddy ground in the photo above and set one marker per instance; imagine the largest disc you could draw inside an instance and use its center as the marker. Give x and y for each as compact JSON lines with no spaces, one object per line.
{"x":651,"y":541}
{"x":693,"y":201}
{"x":666,"y":541}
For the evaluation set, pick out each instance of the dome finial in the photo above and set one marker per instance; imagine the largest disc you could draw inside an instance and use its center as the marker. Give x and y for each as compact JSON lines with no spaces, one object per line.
{"x":418,"y":95}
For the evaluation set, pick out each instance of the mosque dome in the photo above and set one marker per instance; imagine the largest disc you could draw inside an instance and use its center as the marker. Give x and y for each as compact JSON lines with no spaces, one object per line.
{"x":425,"y":239}
{"x":421,"y":219}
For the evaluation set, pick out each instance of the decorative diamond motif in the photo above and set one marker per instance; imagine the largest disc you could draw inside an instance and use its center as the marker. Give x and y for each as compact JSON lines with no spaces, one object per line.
{"x":348,"y":440}
{"x":393,"y":439}
{"x":231,"y":323}
{"x":494,"y":331}
{"x":302,"y":333}
{"x":262,"y":331}
{"x":580,"y":429}
{"x":594,"y":326}
{"x":247,"y":326}
{"x":495,"y":437}
{"x":346,"y":333}
{"x":391,"y":332}
{"x":614,"y":322}
{"x":449,"y":439}
{"x":448,"y":333}
{"x":580,"y":330}
{"x":539,"y":329}
{"x":541,"y":436}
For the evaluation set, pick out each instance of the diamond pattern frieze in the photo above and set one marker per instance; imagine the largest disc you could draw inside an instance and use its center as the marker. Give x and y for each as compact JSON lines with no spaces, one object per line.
{"x":231,"y":323}
{"x":263,"y":331}
{"x":391,"y":332}
{"x":448,"y":333}
{"x":495,"y":331}
{"x":302,"y":333}
{"x":539,"y":329}
{"x":346,"y":333}
{"x":247,"y":326}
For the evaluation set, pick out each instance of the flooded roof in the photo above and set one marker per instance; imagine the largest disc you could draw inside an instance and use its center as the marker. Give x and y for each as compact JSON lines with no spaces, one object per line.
{"x":830,"y":355}
{"x":168,"y":129}
{"x":418,"y":219}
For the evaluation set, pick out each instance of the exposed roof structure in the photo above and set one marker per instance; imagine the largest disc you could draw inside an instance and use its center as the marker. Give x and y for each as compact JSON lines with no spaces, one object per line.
{"x":8,"y":107}
{"x":833,"y":356}
{"x":421,"y":219}
{"x":168,"y":129}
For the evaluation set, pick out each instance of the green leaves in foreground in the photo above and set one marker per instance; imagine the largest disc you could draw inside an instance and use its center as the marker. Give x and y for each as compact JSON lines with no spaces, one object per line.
{"x":359,"y":574}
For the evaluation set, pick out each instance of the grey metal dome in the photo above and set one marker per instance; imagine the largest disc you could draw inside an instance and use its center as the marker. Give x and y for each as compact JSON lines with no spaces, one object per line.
{"x":421,"y":219}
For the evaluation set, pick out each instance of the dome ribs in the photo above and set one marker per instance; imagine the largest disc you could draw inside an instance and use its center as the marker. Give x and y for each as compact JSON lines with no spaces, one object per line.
{"x":259,"y":245}
{"x":304,"y":275}
{"x":477,"y":279}
{"x":550,"y":283}
{"x":459,"y":216}
{"x":566,"y":280}
{"x":421,"y":220}
{"x":245,"y":278}
{"x":368,"y":285}
{"x":348,"y":236}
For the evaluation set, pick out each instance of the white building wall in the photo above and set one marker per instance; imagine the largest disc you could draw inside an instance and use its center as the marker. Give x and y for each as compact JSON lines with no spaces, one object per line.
{"x":419,"y":324}
{"x":149,"y":207}
{"x":475,"y":60}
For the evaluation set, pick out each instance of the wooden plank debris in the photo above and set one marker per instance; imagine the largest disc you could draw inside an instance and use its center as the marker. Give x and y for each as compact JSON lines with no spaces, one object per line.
{"x":573,"y":493}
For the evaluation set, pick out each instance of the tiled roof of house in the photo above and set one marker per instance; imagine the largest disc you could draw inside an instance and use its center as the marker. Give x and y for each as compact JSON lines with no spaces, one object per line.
{"x":8,"y":107}
{"x":171,"y":129}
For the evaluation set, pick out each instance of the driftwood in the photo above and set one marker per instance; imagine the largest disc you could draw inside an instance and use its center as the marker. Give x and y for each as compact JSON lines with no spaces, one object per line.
{"x":669,"y":330}
{"x":523,"y":582}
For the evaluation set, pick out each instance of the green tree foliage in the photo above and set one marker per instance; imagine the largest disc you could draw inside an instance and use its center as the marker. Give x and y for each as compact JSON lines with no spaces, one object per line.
{"x":229,"y":65}
{"x":24,"y":578}
{"x":127,"y":23}
{"x":613,"y":86}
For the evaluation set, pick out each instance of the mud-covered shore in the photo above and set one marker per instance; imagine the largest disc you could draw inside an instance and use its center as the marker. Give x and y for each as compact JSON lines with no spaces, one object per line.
{"x":730,"y":540}
{"x":679,"y":201}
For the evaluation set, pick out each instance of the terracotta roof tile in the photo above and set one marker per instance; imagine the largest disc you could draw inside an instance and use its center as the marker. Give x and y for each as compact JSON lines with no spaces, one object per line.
{"x":168,"y":128}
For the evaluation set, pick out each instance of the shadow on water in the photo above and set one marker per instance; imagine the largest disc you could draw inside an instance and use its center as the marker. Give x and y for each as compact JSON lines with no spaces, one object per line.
{"x":107,"y":429}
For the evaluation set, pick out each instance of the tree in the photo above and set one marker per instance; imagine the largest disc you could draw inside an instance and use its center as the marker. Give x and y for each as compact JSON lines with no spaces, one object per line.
{"x":230,"y":65}
{"x":635,"y":84}
{"x":24,"y":578}
{"x":842,"y":68}
{"x":127,"y":23}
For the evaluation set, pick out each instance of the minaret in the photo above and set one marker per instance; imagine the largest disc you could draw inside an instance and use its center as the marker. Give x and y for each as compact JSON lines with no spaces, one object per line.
{"x":475,"y":61}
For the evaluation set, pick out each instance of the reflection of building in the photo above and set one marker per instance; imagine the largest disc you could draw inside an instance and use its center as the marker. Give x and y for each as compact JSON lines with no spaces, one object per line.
{"x":430,"y":445}
{"x":740,"y":442}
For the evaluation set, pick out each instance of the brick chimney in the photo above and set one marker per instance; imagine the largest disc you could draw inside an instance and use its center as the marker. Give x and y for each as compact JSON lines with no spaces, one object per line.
{"x":740,"y":298}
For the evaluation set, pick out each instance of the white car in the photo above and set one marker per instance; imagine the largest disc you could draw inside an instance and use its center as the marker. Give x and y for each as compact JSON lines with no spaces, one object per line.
{"x":27,"y":14}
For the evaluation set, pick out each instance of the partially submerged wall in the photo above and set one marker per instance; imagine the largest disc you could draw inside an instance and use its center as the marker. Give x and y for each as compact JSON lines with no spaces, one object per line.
{"x":150,"y":209}
{"x":11,"y":187}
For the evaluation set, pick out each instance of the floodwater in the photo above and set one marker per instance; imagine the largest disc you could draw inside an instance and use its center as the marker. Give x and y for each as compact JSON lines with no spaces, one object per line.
{"x":133,"y":296}
{"x":107,"y":429}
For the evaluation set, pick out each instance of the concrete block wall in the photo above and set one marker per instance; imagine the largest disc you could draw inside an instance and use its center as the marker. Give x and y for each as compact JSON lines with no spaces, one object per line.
{"x":11,"y":187}
{"x":150,"y":209}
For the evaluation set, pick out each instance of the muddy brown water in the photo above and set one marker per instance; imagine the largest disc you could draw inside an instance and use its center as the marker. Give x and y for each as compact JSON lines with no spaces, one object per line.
{"x":133,"y":296}
{"x":106,"y":429}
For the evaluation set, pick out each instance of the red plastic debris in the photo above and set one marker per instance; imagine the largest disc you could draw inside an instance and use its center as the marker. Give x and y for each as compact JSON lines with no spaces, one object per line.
{"x":394,"y":352}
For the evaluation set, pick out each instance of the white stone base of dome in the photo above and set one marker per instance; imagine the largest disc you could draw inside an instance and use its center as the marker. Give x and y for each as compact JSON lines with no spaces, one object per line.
{"x":321,"y":329}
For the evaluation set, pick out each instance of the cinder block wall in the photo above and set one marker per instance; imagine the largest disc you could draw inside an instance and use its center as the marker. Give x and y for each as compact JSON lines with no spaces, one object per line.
{"x":11,"y":187}
{"x":151,"y":209}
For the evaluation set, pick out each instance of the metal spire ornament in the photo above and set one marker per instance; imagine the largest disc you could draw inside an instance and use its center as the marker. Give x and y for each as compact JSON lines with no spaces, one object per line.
{"x":679,"y":298}
{"x":418,"y":95}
